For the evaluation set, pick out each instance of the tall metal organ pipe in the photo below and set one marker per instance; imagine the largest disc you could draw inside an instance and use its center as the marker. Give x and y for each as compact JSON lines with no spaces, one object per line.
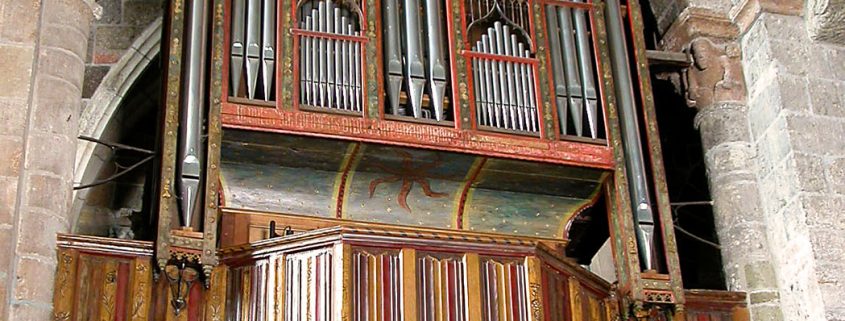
{"x":634,"y":159}
{"x":191,"y":163}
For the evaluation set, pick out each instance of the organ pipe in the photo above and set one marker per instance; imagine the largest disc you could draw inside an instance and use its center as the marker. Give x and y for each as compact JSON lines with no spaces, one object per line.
{"x":190,"y":151}
{"x":634,"y":159}
{"x":504,"y":88}
{"x":330,"y":68}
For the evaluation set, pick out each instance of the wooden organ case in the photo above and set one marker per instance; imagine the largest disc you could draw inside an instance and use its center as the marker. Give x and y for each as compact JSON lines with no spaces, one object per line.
{"x":422,"y":160}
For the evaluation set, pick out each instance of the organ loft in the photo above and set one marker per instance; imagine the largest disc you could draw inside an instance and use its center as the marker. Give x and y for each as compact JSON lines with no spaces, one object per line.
{"x":401,"y":160}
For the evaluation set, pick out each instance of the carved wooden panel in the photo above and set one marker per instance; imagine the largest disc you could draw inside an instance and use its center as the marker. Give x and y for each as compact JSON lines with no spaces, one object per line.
{"x":441,"y":291}
{"x":376,"y":286}
{"x":504,"y":288}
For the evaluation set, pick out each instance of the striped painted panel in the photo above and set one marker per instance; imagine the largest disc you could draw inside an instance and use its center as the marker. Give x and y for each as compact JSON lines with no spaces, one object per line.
{"x":308,"y":287}
{"x":242,"y":292}
{"x":504,"y":290}
{"x":441,"y":290}
{"x":557,"y":295}
{"x":376,"y":286}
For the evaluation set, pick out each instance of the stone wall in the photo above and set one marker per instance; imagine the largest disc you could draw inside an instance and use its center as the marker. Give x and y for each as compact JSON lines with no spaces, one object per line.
{"x":42,"y":49}
{"x":121,"y":22}
{"x":797,"y":124}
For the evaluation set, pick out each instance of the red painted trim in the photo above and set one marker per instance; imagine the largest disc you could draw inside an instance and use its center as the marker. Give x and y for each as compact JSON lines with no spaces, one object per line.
{"x":437,"y":249}
{"x":416,"y":135}
{"x":342,"y":185}
{"x":450,"y":275}
{"x":195,"y":302}
{"x":483,"y":55}
{"x":462,"y":202}
{"x":120,"y":301}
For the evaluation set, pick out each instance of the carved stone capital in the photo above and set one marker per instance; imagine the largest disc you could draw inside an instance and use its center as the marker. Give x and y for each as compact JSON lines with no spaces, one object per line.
{"x":826,"y":20}
{"x":744,"y":13}
{"x":715,"y":75}
{"x":695,"y":23}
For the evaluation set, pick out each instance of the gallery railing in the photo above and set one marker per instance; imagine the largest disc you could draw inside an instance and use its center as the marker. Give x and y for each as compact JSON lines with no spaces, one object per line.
{"x":349,"y":273}
{"x":455,"y":74}
{"x":370,"y":273}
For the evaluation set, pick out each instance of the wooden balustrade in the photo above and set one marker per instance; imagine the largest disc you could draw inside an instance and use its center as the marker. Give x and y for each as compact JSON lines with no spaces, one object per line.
{"x":391,"y":274}
{"x":356,"y":273}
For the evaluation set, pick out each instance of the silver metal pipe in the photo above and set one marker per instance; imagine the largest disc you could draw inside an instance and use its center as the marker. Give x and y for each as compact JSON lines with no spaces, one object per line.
{"x":481,"y":93}
{"x":191,"y":160}
{"x":476,"y":87}
{"x":315,"y":58}
{"x":237,"y":55}
{"x":634,"y":158}
{"x":393,"y":53}
{"x":331,"y":17}
{"x":532,"y":97}
{"x":253,"y":47}
{"x":558,"y":76}
{"x":570,"y":62}
{"x":509,"y":75}
{"x":503,"y":77}
{"x":306,"y":65}
{"x":523,"y":80}
{"x":488,"y":83}
{"x":585,"y":61}
{"x":344,"y":63}
{"x":517,"y":81}
{"x":268,"y":40}
{"x":414,"y":68}
{"x":437,"y":75}
{"x":357,"y":71}
{"x":489,"y":43}
{"x":322,"y":24}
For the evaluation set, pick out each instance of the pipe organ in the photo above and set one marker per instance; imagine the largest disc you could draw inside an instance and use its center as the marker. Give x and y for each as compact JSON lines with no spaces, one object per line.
{"x":329,"y":56}
{"x":573,"y":70}
{"x":252,"y":65}
{"x":427,"y":159}
{"x":416,"y":63}
{"x":504,"y":86}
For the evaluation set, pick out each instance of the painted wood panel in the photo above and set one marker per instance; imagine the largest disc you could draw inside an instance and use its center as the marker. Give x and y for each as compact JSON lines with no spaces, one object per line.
{"x":376,"y":286}
{"x":440,"y":288}
{"x":504,"y":290}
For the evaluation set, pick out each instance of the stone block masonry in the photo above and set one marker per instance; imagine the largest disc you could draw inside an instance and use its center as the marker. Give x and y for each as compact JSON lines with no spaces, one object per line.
{"x":42,"y":49}
{"x":122,"y":21}
{"x":797,"y":125}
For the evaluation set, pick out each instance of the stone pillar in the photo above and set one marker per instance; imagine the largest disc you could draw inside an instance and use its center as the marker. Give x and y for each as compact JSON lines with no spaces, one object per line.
{"x":774,"y":150}
{"x":42,"y":49}
{"x":715,"y":86}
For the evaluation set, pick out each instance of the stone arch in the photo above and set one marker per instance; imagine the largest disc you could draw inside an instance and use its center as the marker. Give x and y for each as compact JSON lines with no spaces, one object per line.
{"x":104,"y":105}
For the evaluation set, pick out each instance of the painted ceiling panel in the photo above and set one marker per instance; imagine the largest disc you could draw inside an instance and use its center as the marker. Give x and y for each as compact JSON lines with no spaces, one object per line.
{"x":404,"y":186}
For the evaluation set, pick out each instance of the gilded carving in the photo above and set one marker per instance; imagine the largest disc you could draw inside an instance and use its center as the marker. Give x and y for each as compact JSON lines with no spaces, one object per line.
{"x":716,"y":74}
{"x":62,"y":301}
{"x":536,"y":301}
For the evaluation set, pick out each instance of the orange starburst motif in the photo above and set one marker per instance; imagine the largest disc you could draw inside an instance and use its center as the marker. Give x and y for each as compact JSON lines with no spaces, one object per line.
{"x":408,"y":174}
